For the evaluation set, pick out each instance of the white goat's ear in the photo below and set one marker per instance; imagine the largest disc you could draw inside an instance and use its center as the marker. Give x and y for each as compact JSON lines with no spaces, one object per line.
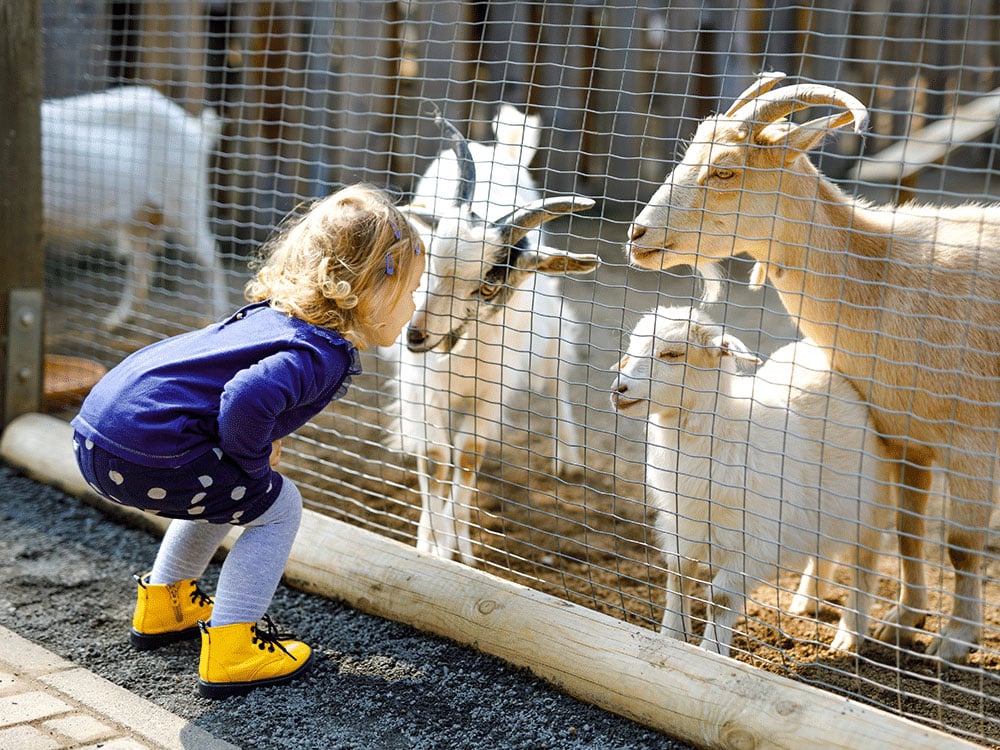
{"x":730,"y":346}
{"x":559,"y":262}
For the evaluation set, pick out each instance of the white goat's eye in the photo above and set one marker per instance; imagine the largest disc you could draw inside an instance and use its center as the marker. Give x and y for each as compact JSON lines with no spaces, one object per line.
{"x":723,"y":174}
{"x":670,"y":354}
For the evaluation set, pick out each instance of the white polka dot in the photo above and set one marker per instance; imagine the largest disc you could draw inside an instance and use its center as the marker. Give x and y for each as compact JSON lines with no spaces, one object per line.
{"x":206,"y":480}
{"x":90,"y":444}
{"x":197,"y":510}
{"x":217,"y":452}
{"x":269,"y":486}
{"x":115,"y":477}
{"x":236,"y":516}
{"x":238,"y":493}
{"x":201,"y":520}
{"x":76,"y":446}
{"x":156,"y":493}
{"x":198,"y":498}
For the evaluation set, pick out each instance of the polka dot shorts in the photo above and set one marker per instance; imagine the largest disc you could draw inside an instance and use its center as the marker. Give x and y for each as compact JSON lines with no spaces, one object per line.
{"x":212,"y":488}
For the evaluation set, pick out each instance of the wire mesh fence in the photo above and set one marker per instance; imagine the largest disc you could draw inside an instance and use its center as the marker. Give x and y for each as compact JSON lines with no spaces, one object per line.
{"x":246,"y":110}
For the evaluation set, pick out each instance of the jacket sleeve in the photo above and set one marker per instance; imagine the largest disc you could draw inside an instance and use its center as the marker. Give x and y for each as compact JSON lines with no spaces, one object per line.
{"x":253,"y":402}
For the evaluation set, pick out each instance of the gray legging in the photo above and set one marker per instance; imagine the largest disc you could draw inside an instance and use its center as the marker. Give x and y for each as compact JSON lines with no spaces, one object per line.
{"x":253,"y":567}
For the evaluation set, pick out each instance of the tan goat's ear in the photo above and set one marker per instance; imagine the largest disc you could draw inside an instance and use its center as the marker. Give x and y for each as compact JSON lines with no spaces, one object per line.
{"x":809,"y":135}
{"x":557,"y":262}
{"x":730,"y":346}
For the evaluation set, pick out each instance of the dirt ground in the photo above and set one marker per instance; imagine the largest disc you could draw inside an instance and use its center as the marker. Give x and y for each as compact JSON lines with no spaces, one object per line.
{"x":586,"y":537}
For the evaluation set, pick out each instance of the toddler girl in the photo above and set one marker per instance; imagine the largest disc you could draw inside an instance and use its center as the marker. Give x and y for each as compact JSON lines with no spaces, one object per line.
{"x":188,"y":428}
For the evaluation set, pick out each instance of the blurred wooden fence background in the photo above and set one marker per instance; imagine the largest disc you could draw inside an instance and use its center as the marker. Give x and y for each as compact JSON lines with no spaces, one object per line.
{"x":317,"y":93}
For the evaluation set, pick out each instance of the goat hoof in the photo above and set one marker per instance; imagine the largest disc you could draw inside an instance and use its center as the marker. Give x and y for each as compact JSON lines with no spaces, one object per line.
{"x":846,"y":642}
{"x":898,"y":627}
{"x":952,"y":646}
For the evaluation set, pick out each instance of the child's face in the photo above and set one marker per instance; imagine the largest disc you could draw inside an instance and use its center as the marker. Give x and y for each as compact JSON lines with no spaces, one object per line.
{"x":400,"y":311}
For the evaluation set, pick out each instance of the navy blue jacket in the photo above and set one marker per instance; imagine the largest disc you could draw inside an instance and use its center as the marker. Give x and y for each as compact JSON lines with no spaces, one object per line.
{"x":236,"y":385}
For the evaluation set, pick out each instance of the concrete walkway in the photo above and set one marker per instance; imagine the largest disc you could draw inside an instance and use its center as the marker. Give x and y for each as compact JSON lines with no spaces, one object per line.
{"x":49,"y":703}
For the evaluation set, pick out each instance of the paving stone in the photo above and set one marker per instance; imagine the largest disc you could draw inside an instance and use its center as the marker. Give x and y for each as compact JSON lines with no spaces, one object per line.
{"x":26,"y":737}
{"x":81,"y":728}
{"x":11,"y":683}
{"x":22,"y":708}
{"x":123,"y":743}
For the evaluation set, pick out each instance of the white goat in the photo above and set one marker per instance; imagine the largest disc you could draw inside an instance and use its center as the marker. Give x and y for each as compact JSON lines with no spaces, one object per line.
{"x":486,"y":325}
{"x":752,"y":474}
{"x":905,"y":300}
{"x":128,"y":166}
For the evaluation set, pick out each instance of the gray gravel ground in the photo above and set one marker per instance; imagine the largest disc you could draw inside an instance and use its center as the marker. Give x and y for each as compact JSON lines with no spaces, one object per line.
{"x":65,"y":583}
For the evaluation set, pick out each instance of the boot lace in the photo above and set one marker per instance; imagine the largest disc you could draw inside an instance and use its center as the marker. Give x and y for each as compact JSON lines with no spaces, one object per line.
{"x":199,"y":597}
{"x":272,"y":638}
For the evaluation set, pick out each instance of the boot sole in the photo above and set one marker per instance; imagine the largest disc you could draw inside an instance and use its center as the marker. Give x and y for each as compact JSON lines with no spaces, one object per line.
{"x":216,"y":690}
{"x":149,"y":641}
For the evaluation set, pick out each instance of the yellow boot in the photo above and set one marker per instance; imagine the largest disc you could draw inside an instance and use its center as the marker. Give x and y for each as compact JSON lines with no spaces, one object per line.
{"x":165,"y":613}
{"x":237,"y":658}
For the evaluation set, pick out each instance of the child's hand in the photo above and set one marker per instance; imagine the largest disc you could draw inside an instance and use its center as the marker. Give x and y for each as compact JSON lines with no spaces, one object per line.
{"x":275,"y":454}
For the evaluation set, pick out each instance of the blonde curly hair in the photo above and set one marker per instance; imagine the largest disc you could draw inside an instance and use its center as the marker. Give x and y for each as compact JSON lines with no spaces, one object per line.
{"x":339,"y":263}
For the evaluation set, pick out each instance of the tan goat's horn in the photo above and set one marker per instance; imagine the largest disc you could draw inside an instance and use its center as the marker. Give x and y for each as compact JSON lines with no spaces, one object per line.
{"x":518,"y":223}
{"x":764,"y":83}
{"x":774,"y":105}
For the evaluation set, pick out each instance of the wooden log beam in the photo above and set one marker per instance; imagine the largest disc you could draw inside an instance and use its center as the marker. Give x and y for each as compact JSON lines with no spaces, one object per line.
{"x":701,"y":698}
{"x":904,"y":159}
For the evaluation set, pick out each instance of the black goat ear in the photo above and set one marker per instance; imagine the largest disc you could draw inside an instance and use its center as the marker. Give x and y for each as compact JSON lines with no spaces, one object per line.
{"x":420,"y":215}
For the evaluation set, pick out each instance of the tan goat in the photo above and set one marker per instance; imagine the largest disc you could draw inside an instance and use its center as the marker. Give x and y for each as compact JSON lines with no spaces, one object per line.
{"x":907,"y":299}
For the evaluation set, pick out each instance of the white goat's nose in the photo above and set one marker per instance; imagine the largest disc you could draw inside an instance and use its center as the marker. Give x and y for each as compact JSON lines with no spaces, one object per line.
{"x":636,"y":231}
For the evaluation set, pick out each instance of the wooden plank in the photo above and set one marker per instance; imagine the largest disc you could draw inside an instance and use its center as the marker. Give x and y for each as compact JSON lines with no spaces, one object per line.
{"x":366,"y":52}
{"x":21,"y":252}
{"x":436,"y":40}
{"x":931,"y":144}
{"x":674,"y":687}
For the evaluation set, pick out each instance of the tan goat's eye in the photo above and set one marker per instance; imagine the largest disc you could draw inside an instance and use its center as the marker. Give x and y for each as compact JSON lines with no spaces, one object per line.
{"x":723,"y":174}
{"x":488,"y":291}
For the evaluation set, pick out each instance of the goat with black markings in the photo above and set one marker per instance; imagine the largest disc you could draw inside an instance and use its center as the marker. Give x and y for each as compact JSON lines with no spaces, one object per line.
{"x":491,"y":320}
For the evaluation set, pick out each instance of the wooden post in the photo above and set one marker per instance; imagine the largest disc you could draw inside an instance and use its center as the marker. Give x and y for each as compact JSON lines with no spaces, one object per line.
{"x":21,"y":260}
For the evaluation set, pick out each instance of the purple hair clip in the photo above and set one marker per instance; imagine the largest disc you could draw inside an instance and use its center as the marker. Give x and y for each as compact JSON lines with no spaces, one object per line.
{"x":390,"y":264}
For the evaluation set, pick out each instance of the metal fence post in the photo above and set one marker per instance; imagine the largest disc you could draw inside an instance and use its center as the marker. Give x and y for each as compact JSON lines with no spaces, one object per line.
{"x":21,"y":251}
